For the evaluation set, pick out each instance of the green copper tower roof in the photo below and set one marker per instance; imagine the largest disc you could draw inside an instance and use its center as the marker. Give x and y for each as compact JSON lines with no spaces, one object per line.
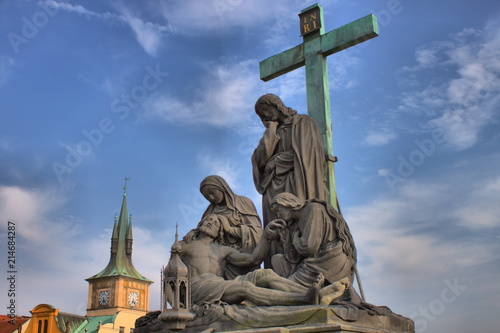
{"x":120,"y":261}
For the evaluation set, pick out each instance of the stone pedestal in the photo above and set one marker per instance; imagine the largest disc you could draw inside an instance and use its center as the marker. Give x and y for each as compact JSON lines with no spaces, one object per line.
{"x":297,"y":319}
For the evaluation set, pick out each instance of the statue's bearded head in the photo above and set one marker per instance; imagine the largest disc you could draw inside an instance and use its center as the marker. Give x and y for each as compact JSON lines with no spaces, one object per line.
{"x":270,"y":106}
{"x":211,"y":225}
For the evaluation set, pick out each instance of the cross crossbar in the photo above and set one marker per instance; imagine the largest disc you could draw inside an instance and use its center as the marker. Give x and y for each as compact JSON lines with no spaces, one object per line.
{"x":332,"y":42}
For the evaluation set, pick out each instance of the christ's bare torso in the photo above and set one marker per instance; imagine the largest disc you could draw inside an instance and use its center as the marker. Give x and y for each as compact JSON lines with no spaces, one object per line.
{"x":205,"y":258}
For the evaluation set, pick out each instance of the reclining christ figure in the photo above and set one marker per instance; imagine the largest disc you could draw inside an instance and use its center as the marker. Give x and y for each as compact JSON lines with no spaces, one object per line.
{"x":207,"y":259}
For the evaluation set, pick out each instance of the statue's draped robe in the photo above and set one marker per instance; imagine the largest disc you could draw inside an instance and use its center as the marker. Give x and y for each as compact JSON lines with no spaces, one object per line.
{"x":291,"y":160}
{"x":242,"y":216}
{"x":317,"y":247}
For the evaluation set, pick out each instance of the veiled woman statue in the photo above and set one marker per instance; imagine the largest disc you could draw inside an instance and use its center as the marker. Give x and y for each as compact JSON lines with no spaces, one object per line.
{"x":242,"y":226}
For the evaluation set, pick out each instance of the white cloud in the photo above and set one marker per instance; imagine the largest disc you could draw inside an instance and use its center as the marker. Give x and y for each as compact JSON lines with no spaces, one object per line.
{"x":289,"y":86}
{"x":148,"y":35}
{"x":410,"y":242}
{"x":194,"y":17}
{"x":428,"y":231}
{"x":49,"y":244}
{"x":79,"y":9}
{"x":33,"y":210}
{"x":378,"y":138}
{"x":482,"y":210}
{"x":463,"y":104}
{"x":229,"y":168}
{"x":426,"y":57}
{"x":383,"y":172}
{"x":341,"y":71}
{"x":222,"y":99}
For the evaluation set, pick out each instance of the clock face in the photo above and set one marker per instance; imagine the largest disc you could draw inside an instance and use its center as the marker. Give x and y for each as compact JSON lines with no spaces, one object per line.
{"x":103,"y":297}
{"x":133,"y":298}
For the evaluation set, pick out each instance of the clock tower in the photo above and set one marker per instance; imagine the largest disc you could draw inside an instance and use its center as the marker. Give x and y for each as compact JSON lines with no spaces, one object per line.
{"x":119,"y":286}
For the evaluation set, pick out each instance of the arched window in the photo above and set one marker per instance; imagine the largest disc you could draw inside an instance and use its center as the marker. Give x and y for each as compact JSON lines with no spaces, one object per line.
{"x":183,"y":295}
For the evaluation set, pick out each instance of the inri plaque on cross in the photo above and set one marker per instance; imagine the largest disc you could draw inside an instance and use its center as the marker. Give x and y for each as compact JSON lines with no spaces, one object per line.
{"x":312,"y":54}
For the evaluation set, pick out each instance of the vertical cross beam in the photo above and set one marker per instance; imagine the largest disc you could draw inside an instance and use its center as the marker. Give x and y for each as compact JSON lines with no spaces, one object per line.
{"x":317,"y":88}
{"x":312,"y":54}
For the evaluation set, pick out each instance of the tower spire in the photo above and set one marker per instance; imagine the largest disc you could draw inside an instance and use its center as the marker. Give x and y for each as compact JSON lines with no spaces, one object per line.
{"x":129,"y":238}
{"x":119,"y":285}
{"x":120,"y":262}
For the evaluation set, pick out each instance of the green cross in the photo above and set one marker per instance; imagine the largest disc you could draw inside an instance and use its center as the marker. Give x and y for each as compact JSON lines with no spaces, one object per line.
{"x":312,"y":54}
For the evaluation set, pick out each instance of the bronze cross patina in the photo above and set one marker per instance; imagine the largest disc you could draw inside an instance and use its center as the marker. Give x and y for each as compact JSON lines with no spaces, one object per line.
{"x":312,"y":54}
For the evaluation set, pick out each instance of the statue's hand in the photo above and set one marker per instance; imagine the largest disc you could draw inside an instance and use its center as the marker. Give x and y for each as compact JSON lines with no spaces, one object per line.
{"x":271,"y":125}
{"x":277,"y":224}
{"x":271,"y":231}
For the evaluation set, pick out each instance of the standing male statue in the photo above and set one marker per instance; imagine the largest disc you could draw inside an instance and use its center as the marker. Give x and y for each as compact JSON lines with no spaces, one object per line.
{"x":289,"y":157}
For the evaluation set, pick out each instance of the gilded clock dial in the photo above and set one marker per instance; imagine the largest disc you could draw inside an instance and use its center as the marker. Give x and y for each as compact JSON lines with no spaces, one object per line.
{"x":133,"y":298}
{"x":103,"y":297}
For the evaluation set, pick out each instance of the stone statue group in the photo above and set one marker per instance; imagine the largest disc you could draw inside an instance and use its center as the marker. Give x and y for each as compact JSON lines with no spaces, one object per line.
{"x":306,"y":246}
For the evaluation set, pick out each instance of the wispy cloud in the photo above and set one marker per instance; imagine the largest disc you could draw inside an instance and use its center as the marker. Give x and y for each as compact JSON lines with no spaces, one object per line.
{"x":193,"y":16}
{"x":148,"y":35}
{"x":223,"y":95}
{"x":379,"y":138}
{"x":482,"y":210}
{"x":412,"y":240}
{"x":228,"y":168}
{"x":79,"y":9}
{"x":33,"y":209}
{"x":49,"y":242}
{"x":463,"y":104}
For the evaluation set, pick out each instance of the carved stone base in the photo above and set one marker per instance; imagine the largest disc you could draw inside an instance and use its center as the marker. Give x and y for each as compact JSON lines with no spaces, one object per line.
{"x":297,"y":319}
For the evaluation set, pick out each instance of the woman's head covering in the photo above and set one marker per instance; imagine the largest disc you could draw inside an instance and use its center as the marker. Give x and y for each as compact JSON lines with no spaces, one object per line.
{"x":234,"y":202}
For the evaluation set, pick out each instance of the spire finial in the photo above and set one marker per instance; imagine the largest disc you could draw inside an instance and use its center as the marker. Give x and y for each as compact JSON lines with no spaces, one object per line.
{"x":176,"y":247}
{"x":125,"y":186}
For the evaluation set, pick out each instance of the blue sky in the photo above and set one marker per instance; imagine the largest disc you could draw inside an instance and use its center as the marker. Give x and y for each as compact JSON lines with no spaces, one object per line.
{"x":163,"y":92}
